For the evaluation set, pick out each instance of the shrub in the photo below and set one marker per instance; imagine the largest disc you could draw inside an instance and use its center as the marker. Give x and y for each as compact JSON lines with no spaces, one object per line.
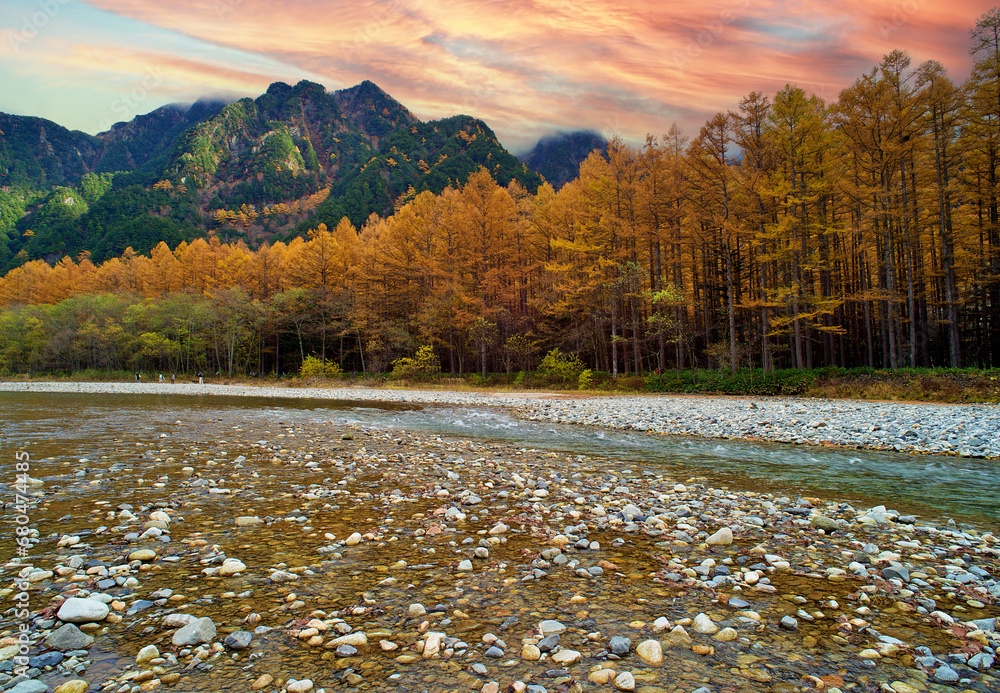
{"x":561,"y":367}
{"x":586,"y":379}
{"x":313,"y":367}
{"x":424,"y":363}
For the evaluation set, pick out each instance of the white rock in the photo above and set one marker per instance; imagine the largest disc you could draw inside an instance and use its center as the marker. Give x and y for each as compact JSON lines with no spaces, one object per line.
{"x":724,"y":537}
{"x":77,"y":610}
{"x":704,"y":625}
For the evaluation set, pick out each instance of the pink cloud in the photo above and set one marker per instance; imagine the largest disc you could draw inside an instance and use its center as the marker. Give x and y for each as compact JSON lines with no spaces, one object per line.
{"x":530,"y":65}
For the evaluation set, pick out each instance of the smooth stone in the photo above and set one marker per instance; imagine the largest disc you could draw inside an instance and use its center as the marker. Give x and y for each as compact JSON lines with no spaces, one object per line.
{"x":465,"y":566}
{"x":77,"y":610}
{"x":624,"y":682}
{"x":704,"y":625}
{"x":352,"y":540}
{"x":566,"y":657}
{"x":825,"y":523}
{"x":263,"y":681}
{"x":789,"y":623}
{"x":29,"y":686}
{"x":232,"y":566}
{"x":620,"y":646}
{"x":550,"y":627}
{"x":531,"y":653}
{"x":723,"y":537}
{"x":302,"y":686}
{"x":650,"y":651}
{"x":146,"y":654}
{"x":249,"y":521}
{"x":74,"y":686}
{"x":68,"y":637}
{"x":199,"y":631}
{"x":142,"y":555}
{"x":727,"y":635}
{"x":239,"y":640}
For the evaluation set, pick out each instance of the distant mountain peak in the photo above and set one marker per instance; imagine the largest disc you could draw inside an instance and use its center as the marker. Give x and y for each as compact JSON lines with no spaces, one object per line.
{"x":557,"y":157}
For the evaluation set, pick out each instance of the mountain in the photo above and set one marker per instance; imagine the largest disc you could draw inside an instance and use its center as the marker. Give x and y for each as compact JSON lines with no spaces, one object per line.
{"x":258,"y":169}
{"x":37,"y":153}
{"x":558,"y":157}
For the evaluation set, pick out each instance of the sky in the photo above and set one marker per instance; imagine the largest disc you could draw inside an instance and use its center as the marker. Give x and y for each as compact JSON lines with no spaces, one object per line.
{"x":623,"y":68}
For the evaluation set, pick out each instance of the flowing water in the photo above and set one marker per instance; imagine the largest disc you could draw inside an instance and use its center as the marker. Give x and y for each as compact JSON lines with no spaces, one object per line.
{"x":95,"y":452}
{"x":932,"y":486}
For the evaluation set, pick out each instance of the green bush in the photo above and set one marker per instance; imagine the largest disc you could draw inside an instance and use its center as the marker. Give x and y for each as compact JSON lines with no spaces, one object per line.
{"x":586,"y":379}
{"x":425,"y":363}
{"x":313,"y":367}
{"x":560,"y":367}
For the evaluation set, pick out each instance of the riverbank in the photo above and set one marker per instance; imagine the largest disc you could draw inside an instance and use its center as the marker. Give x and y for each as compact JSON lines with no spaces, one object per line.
{"x":971,"y":430}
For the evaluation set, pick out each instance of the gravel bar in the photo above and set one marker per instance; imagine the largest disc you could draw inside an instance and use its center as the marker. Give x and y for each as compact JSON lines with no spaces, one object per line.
{"x":969,"y":430}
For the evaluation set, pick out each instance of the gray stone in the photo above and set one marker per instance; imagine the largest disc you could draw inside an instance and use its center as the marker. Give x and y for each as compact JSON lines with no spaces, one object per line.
{"x":30,"y":686}
{"x":346,"y":650}
{"x":620,"y":646}
{"x":202,"y":630}
{"x":789,"y":623}
{"x":945,"y":674}
{"x":825,"y":523}
{"x":239,"y":640}
{"x":68,"y":637}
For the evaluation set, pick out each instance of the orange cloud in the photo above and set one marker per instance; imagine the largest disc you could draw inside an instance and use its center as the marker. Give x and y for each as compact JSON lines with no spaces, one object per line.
{"x":527,"y":66}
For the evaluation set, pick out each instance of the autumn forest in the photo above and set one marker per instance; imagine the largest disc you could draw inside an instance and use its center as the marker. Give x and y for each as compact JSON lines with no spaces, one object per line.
{"x":787,"y":233}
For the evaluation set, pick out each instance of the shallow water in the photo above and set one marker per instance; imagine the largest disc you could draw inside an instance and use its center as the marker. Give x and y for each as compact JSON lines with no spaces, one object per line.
{"x":933,"y":487}
{"x":97,"y":451}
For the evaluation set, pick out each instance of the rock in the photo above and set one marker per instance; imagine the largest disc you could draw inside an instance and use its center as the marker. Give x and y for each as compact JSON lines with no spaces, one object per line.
{"x":346,"y":650}
{"x":238,"y":640}
{"x":789,"y":623}
{"x":825,"y":523}
{"x":531,"y":653}
{"x":650,"y":651}
{"x":202,"y":630}
{"x":29,"y":686}
{"x":601,"y":676}
{"x":147,"y":654}
{"x":301,"y":686}
{"x":895,"y":570}
{"x":550,"y":627}
{"x":464,"y":566}
{"x":353,"y":540}
{"x":727,"y":635}
{"x":249,"y":521}
{"x":566,"y":657}
{"x":432,"y":645}
{"x":178,"y":620}
{"x":624,"y":682}
{"x":68,"y":637}
{"x":723,"y":537}
{"x":74,"y":686}
{"x":945,"y":674}
{"x":620,"y":646}
{"x":77,"y":610}
{"x":416,"y":610}
{"x":232,"y":566}
{"x":704,"y":625}
{"x":263,"y":681}
{"x":356,"y":639}
{"x":142,"y":555}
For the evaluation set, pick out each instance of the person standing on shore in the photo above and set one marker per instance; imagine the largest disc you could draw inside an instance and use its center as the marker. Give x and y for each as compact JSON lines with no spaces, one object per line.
{"x":137,"y":376}
{"x":161,"y":377}
{"x":201,"y":378}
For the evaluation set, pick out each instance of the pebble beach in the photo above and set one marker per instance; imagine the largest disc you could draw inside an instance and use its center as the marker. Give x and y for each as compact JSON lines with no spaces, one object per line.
{"x":967,"y":430}
{"x":299,"y":556}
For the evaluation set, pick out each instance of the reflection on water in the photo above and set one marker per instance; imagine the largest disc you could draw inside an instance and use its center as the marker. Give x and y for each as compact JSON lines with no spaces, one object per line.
{"x":933,"y":487}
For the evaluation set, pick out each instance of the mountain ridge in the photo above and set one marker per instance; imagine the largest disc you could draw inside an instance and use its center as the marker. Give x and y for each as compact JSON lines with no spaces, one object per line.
{"x":261,"y":168}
